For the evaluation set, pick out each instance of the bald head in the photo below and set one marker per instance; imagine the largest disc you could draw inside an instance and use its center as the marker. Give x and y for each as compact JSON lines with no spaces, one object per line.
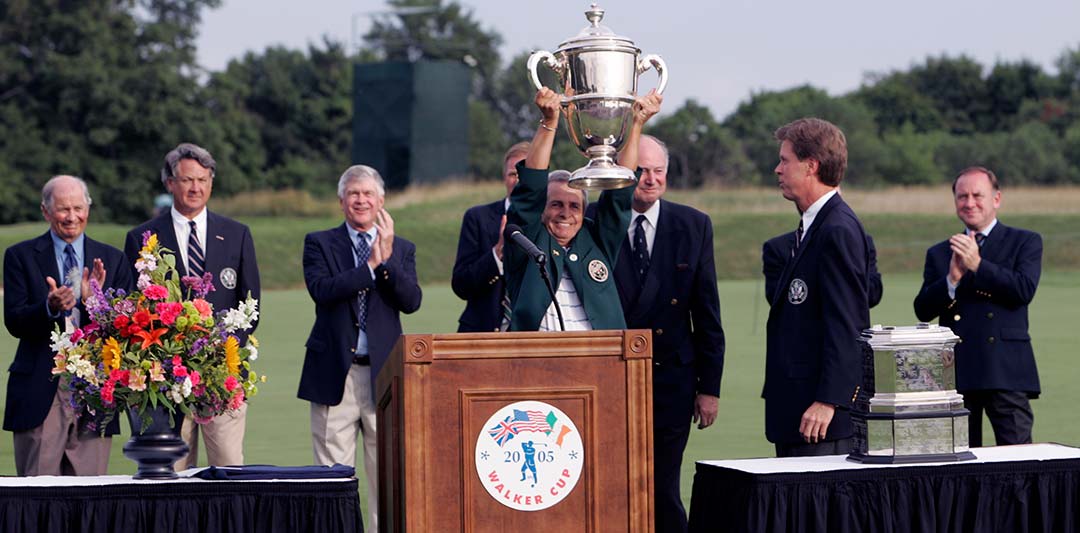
{"x":65,"y":204}
{"x":653,"y":160}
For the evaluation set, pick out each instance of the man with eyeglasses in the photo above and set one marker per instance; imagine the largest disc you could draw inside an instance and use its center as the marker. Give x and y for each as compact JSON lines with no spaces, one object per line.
{"x":206,"y":244}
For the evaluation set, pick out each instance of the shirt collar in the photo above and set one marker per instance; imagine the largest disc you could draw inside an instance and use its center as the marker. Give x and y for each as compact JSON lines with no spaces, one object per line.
{"x":815,"y":208}
{"x":178,"y":218}
{"x":985,"y":231}
{"x":652,"y":214}
{"x":353,"y":232}
{"x":59,"y":245}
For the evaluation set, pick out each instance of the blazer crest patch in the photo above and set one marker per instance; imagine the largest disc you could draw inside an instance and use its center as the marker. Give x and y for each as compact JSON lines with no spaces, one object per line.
{"x":797,"y":291}
{"x":598,"y":271}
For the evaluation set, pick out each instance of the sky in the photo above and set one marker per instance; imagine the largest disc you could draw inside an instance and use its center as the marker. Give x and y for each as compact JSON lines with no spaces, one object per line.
{"x":718,"y":52}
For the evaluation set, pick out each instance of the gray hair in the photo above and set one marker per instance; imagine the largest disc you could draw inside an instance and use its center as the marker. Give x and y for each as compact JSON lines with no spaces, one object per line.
{"x":357,"y":172}
{"x":563,"y":176}
{"x":187,"y":151}
{"x":47,"y":190}
{"x":661,"y":144}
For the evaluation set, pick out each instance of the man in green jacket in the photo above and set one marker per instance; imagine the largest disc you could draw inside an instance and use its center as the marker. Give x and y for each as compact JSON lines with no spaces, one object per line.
{"x":581,"y":252}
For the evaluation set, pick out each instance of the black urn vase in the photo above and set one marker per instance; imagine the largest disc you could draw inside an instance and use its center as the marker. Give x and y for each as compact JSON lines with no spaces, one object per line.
{"x":154,"y":446}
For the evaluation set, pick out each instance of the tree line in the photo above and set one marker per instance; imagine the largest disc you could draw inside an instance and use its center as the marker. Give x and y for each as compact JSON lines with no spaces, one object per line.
{"x":103,"y":88}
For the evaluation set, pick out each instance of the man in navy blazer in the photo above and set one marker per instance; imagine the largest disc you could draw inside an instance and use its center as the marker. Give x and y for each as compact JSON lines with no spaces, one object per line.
{"x":813,"y":363}
{"x":218,"y":247}
{"x":361,"y":277}
{"x":979,"y":283}
{"x":45,"y":284}
{"x":777,"y":250}
{"x":478,"y":269}
{"x":673,"y":294}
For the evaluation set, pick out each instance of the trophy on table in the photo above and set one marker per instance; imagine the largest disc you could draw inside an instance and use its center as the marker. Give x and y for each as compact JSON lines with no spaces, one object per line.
{"x":908,"y":410}
{"x":598,"y":72}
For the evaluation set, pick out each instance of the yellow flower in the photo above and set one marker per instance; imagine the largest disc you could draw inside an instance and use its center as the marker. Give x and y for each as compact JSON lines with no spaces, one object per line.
{"x":110,"y":354}
{"x":151,"y":243}
{"x":232,"y":355}
{"x":253,"y":341}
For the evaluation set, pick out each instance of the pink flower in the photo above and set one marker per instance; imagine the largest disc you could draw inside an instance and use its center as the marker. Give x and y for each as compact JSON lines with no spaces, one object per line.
{"x":237,"y":399}
{"x":156,"y":292}
{"x":195,"y":378}
{"x":177,"y":361}
{"x":76,"y":335}
{"x":204,"y":307}
{"x":231,"y":383}
{"x":168,"y":311}
{"x":180,"y":371}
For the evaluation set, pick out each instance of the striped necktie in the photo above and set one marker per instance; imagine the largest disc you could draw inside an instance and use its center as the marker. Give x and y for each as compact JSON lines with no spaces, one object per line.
{"x":196,"y":260}
{"x":980,"y":238}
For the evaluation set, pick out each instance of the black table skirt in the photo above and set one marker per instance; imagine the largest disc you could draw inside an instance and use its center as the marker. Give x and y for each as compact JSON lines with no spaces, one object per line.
{"x":184,"y":507}
{"x":1009,"y":496}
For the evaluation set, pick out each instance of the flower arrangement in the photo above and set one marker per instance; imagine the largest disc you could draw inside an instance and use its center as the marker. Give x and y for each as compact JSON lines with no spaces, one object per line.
{"x":161,"y":345}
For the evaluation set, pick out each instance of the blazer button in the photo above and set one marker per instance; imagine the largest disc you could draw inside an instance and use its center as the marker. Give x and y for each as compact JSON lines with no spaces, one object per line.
{"x":659,"y":331}
{"x":990,"y":340}
{"x":956,"y":318}
{"x":357,"y":324}
{"x":989,"y":315}
{"x":353,"y":350}
{"x":674,"y":301}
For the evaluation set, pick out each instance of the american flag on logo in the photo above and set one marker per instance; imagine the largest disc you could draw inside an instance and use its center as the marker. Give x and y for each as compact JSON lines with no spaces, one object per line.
{"x":521,"y":421}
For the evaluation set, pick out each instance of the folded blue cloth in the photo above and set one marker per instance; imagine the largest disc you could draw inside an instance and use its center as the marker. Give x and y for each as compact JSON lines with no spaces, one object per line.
{"x":246,"y":472}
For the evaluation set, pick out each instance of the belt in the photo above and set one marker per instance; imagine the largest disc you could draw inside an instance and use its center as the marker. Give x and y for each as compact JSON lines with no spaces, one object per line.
{"x":361,"y":360}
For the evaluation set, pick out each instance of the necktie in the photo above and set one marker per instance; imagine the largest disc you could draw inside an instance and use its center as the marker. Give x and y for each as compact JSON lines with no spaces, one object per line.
{"x":70,"y":277}
{"x":979,"y":239}
{"x":70,"y":263}
{"x":641,"y":248}
{"x":362,"y":251}
{"x":195,"y":260}
{"x":798,"y":238}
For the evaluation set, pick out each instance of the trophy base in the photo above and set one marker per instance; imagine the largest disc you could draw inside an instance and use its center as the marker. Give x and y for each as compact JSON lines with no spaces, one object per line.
{"x":602,"y":174}
{"x":908,"y":459}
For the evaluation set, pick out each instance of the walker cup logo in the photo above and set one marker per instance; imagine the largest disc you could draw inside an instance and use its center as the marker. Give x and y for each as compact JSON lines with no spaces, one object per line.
{"x":797,"y":291}
{"x":529,"y":456}
{"x":228,"y":278}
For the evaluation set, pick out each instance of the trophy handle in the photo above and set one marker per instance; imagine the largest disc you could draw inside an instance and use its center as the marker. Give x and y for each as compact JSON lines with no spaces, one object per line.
{"x":657,"y":62}
{"x":535,"y":60}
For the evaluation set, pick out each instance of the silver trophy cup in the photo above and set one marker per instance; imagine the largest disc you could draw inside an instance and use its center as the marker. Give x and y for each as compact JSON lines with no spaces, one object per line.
{"x":598,"y":71}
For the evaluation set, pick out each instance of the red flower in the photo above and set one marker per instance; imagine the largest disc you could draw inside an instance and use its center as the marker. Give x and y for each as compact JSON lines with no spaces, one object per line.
{"x":107,"y":391}
{"x":133,"y":329}
{"x":121,"y":376}
{"x":142,"y":317}
{"x":121,"y":322}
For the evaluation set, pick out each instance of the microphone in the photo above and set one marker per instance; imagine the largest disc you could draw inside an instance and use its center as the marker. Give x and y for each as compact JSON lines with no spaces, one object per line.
{"x":513,"y":233}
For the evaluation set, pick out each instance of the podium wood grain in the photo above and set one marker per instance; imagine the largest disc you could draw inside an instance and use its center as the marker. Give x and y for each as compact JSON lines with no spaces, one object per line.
{"x":436,"y":393}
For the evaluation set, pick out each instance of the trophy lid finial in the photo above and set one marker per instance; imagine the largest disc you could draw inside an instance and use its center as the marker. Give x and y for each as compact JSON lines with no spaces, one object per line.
{"x":595,"y":14}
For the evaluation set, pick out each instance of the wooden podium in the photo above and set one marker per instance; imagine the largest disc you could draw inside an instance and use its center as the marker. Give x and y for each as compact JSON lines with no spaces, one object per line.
{"x":438,"y":395}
